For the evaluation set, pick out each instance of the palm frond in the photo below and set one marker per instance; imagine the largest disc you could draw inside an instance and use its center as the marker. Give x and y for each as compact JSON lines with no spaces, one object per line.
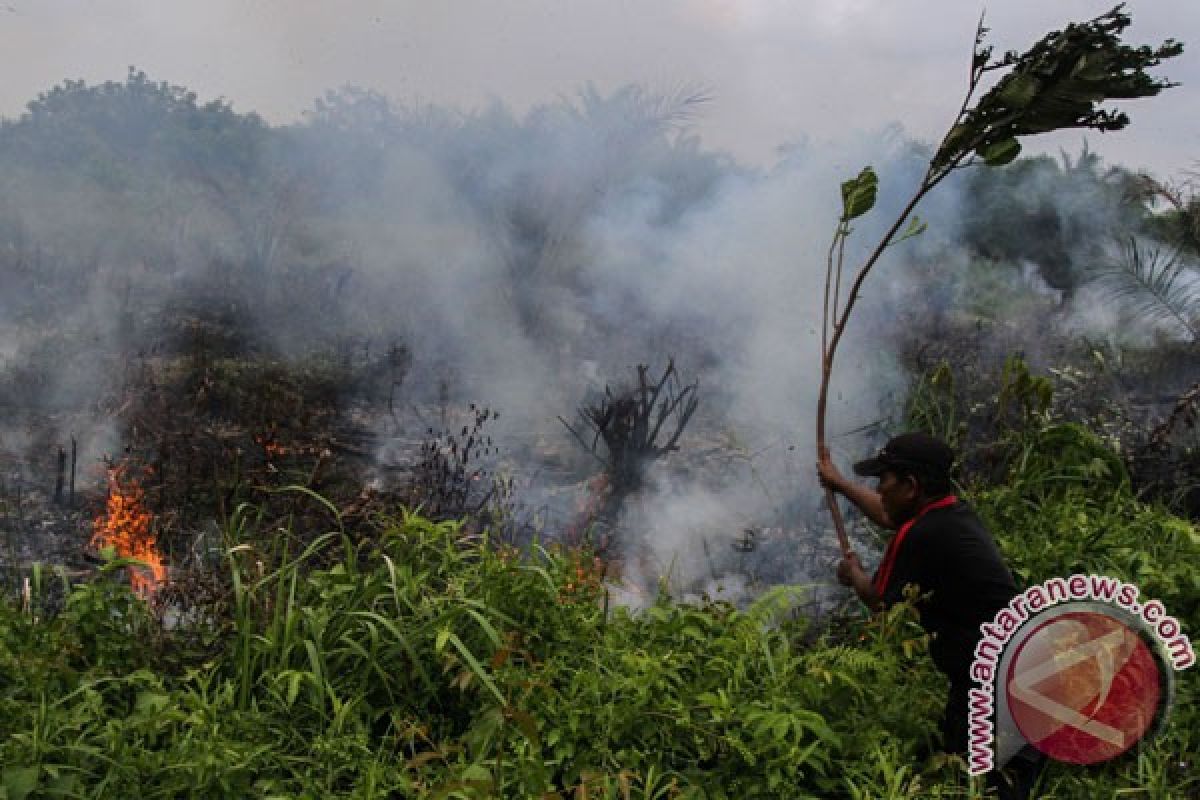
{"x":1154,"y":285}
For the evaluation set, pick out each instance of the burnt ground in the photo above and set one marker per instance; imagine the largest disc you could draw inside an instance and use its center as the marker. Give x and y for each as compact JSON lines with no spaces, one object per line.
{"x":209,"y":424}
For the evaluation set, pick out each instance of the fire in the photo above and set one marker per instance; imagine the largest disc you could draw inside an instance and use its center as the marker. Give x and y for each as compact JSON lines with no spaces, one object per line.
{"x":127,"y":527}
{"x":272,"y":449}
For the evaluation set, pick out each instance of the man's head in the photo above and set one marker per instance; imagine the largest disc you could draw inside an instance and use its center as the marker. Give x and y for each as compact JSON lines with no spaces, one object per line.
{"x":912,"y":468}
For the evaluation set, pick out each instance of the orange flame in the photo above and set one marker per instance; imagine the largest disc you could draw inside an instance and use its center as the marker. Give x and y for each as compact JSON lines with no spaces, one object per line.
{"x":271,"y":448}
{"x":127,"y":527}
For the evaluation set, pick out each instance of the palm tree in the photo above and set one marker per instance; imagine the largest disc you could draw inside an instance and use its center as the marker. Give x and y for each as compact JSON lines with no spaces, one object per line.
{"x":1157,"y":277}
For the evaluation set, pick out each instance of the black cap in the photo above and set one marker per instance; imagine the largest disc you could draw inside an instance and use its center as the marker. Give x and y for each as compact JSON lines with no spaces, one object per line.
{"x":918,"y":452}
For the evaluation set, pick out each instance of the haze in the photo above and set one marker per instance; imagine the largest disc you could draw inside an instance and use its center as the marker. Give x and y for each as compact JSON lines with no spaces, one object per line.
{"x":777,"y":72}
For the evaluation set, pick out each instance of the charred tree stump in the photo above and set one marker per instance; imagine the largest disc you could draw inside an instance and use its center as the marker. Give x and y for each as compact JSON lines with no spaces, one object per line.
{"x":20,"y":529}
{"x":630,"y":423}
{"x":74,"y":461}
{"x":60,"y":476}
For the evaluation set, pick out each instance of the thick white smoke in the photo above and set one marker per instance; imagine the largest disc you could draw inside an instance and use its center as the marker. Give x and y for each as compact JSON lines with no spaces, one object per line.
{"x":525,"y":260}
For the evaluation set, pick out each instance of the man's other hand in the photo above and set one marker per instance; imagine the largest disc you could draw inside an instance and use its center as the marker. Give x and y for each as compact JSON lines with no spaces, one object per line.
{"x":848,"y":569}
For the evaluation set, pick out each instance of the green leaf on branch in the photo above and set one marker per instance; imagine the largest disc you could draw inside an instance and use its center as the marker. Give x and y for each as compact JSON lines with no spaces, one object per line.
{"x":1020,"y":91}
{"x":916,"y":226}
{"x":858,"y":194}
{"x":997,"y":154}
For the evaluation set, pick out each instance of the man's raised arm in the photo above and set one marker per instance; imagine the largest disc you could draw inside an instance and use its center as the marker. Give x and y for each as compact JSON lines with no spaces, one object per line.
{"x":866,"y":498}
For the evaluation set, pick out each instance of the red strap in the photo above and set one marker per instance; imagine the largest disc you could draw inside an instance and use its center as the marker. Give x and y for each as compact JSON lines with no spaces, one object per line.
{"x":884,"y":573}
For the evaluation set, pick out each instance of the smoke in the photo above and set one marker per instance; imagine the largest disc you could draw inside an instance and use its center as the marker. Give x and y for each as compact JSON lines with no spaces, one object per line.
{"x":525,"y":260}
{"x":1048,"y":235}
{"x":594,"y":234}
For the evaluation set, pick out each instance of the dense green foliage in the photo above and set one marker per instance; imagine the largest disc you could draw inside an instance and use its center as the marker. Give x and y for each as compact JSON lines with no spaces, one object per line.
{"x":431,"y":665}
{"x":408,"y":659}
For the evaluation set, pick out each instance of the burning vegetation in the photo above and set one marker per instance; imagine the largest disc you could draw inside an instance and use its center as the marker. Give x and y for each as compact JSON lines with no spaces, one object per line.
{"x":127,"y":526}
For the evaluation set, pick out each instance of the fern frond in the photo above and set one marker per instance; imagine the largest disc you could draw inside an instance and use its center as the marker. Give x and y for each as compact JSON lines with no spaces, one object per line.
{"x":1154,"y":285}
{"x":776,"y":602}
{"x":844,"y":659}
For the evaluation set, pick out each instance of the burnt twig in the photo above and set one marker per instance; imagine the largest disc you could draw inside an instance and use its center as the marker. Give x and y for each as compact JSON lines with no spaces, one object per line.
{"x":630,"y":423}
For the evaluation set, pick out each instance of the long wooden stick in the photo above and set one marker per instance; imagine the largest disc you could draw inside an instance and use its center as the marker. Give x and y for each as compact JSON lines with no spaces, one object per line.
{"x":831,"y":337}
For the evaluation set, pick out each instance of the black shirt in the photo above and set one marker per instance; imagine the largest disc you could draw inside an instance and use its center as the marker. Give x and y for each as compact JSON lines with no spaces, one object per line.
{"x":949,"y":554}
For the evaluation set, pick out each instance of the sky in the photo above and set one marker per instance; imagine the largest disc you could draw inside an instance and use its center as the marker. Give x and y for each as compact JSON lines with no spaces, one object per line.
{"x":777,"y":72}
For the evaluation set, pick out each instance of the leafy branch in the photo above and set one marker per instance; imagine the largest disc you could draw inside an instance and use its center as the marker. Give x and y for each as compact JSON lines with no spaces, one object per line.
{"x":1058,"y":83}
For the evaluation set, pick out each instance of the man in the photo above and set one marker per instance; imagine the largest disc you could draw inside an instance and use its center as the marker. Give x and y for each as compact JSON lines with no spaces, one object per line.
{"x":942,"y":548}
